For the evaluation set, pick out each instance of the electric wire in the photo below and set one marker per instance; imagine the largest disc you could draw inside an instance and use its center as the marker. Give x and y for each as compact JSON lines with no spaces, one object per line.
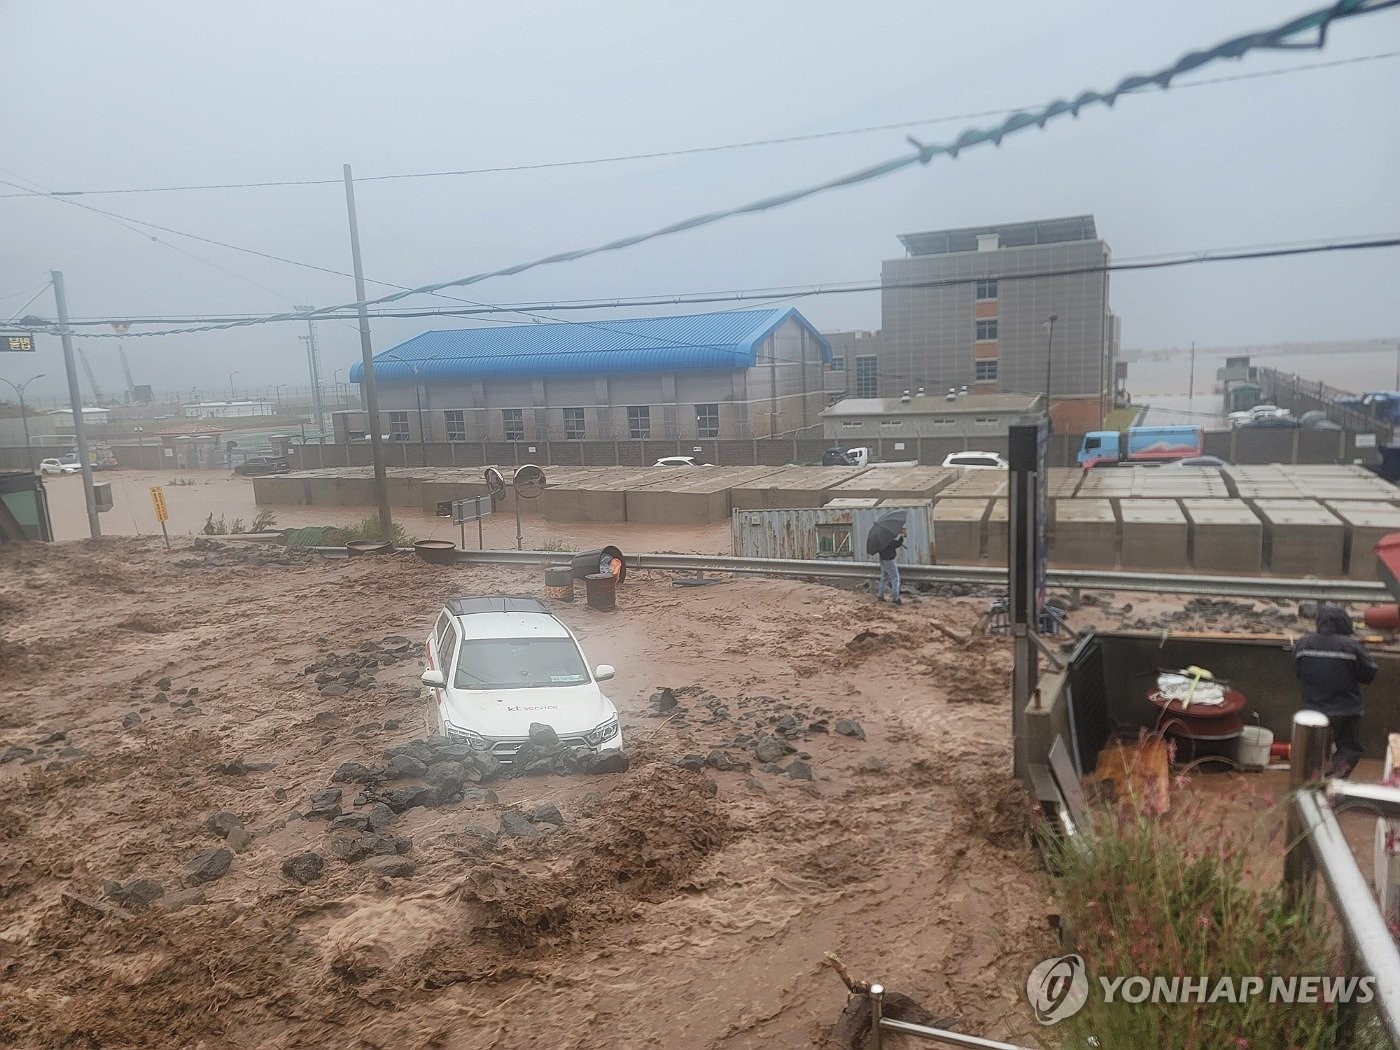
{"x":903,"y":125}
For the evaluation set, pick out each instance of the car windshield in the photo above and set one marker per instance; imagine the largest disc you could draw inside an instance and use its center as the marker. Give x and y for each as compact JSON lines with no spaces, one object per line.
{"x":519,"y":663}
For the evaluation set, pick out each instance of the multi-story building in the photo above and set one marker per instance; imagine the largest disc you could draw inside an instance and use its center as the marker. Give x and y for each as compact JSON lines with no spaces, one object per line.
{"x":852,"y":371}
{"x":973,"y":307}
{"x":732,"y":375}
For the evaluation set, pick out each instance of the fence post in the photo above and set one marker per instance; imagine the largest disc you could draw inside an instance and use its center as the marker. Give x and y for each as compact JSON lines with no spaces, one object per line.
{"x":877,"y":1014}
{"x":1312,"y":740}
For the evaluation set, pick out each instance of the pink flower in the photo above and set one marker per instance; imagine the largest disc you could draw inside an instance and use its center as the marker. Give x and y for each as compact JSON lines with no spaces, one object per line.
{"x":1241,"y":1044}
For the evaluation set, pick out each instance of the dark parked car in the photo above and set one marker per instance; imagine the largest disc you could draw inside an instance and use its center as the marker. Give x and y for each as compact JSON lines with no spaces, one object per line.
{"x":263,"y":465}
{"x":836,"y":457}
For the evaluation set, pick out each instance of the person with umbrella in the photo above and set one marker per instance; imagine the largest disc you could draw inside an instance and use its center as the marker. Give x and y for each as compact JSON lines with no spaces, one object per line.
{"x":885,"y":538}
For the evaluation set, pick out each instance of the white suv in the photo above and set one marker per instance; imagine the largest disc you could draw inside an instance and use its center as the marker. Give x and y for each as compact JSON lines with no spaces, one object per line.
{"x":497,"y":664}
{"x":57,"y":466}
{"x":976,"y":461}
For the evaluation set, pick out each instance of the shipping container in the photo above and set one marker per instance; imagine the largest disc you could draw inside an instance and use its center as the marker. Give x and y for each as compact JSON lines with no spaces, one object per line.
{"x":837,"y":532}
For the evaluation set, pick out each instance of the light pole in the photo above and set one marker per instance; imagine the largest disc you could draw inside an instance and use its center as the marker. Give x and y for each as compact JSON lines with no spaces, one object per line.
{"x":418,"y":397}
{"x":230,"y":384}
{"x":1049,"y":349}
{"x":278,"y":391}
{"x":24,"y":416}
{"x":335,"y":387}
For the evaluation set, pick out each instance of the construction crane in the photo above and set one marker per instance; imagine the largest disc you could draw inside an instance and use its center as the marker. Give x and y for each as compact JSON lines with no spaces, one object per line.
{"x":126,"y":371}
{"x":97,"y":394}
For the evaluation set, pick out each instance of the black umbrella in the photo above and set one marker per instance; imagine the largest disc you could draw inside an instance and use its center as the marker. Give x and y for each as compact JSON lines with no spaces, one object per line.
{"x":884,"y":531}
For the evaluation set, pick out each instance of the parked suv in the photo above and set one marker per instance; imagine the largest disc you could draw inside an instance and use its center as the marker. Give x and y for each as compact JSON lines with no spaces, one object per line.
{"x":497,"y":664}
{"x":58,"y":466}
{"x":263,"y":465}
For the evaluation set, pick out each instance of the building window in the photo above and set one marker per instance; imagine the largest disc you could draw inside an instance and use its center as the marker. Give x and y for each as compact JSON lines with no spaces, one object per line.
{"x":986,"y":370}
{"x":514,"y":420}
{"x":867,"y":377}
{"x":638,"y":421}
{"x":456,"y":425}
{"x":838,"y":364}
{"x":892,"y":422}
{"x":986,"y":330}
{"x":986,"y":289}
{"x":573,"y":424}
{"x":707,"y":421}
{"x":398,"y":426}
{"x":986,"y":421}
{"x":834,"y":541}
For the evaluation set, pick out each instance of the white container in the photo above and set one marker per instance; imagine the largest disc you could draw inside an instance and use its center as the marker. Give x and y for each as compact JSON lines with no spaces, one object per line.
{"x":1255,"y":742}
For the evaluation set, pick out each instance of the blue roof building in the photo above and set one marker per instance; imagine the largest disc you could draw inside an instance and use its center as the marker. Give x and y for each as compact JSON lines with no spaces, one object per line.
{"x":733,"y":374}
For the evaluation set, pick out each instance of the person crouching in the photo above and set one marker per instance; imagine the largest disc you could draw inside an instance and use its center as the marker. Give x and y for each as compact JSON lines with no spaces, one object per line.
{"x":1332,"y":666}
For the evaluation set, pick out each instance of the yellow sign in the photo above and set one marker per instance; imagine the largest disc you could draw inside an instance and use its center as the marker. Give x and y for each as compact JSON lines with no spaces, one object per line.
{"x":158,"y":501}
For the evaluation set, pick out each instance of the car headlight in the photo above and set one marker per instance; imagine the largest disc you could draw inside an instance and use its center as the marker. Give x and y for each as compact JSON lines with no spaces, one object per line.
{"x":601,"y":733}
{"x":475,"y":741}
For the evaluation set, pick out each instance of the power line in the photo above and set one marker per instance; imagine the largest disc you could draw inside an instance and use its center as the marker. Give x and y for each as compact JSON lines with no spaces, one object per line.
{"x":783,"y":294}
{"x":904,"y":125}
{"x":1278,"y":38}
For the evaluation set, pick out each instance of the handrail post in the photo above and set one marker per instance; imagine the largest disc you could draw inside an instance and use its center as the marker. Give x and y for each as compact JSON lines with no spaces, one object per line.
{"x":1312,"y":740}
{"x":877,"y":1014}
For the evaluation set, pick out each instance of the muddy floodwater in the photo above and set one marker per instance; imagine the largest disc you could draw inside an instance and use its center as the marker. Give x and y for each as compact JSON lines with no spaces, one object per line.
{"x":219,"y":830}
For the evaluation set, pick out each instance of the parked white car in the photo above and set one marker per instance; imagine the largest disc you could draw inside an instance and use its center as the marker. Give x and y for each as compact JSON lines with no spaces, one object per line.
{"x":497,"y":664}
{"x":57,"y":466}
{"x":680,"y":461}
{"x":976,"y":461}
{"x":1257,"y":413}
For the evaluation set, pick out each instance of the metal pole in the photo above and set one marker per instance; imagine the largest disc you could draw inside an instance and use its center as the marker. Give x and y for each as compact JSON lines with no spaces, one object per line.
{"x":376,"y":442}
{"x":877,"y":1016}
{"x":1049,"y":349}
{"x":519,"y":543}
{"x":1312,"y":739}
{"x":75,"y":399}
{"x":1191,"y":388}
{"x":422,"y":438}
{"x":24,"y":417}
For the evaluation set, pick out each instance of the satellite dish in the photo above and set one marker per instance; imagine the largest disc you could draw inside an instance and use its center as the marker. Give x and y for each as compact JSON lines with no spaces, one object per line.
{"x":495,"y":483}
{"x":529,"y":481}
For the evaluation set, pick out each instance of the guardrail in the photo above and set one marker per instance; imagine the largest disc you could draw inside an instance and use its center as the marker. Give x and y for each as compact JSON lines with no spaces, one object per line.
{"x":1270,"y":588}
{"x":1315,"y":841}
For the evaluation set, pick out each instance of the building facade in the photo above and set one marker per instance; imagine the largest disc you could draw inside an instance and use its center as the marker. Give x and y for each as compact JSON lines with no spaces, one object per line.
{"x":731,"y":375}
{"x":226,"y":409}
{"x":858,"y":419}
{"x":853,"y":355}
{"x":972,"y":307}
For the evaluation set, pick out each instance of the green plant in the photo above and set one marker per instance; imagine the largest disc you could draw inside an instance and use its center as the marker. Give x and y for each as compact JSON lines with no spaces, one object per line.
{"x":214,"y":528}
{"x":1174,"y":895}
{"x":264,"y":522}
{"x":558,"y":546}
{"x":368,"y":529}
{"x":236,"y":529}
{"x":181,"y":482}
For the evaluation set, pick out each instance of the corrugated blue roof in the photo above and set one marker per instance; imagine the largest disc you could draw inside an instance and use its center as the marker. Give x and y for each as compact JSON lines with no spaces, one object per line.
{"x":725,"y":340}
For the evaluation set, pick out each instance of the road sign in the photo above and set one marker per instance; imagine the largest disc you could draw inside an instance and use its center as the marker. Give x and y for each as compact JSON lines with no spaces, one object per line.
{"x":18,"y":342}
{"x":162,"y":515}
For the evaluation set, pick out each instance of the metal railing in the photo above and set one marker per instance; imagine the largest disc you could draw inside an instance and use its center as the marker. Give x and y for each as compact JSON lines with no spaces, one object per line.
{"x":1271,"y":588}
{"x":880,"y":1024}
{"x":1316,"y":842}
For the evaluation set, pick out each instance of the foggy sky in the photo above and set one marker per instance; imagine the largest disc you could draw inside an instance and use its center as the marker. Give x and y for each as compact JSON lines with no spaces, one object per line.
{"x":100,"y":96}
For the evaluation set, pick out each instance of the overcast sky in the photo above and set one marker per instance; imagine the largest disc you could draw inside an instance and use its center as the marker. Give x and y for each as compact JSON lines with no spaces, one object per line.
{"x":105,"y":96}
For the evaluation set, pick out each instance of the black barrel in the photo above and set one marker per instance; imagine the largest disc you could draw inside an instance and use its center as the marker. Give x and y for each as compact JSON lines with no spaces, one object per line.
{"x":602,"y":591}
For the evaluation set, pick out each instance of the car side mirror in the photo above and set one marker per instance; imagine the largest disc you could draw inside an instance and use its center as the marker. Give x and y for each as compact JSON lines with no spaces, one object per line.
{"x":434,"y":678}
{"x":604,"y":671}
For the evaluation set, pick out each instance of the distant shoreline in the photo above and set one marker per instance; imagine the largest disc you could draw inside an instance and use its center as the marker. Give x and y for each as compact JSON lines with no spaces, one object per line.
{"x":1269,"y":350}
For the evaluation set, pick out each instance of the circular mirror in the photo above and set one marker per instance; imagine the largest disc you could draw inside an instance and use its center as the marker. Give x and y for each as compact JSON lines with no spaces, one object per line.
{"x":529,"y":481}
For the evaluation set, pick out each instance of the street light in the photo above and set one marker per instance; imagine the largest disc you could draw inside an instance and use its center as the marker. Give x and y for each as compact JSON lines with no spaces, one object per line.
{"x":230,"y":384}
{"x":418,"y":396}
{"x":24,"y":416}
{"x":278,"y":391}
{"x":1049,"y":349}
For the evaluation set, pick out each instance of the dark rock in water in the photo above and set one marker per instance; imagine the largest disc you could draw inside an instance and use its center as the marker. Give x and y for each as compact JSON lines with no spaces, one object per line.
{"x":720,"y":760}
{"x":798,"y":770}
{"x":516,"y":825}
{"x":871,"y":764}
{"x":406,"y":767}
{"x":771,"y":768}
{"x":352,"y":822}
{"x":543,"y":737}
{"x":325,"y":804}
{"x":303,"y":867}
{"x":351,"y":848}
{"x":15,"y":753}
{"x":478,"y":796}
{"x":694,"y":763}
{"x":612,"y":761}
{"x":333,"y":689}
{"x":51,"y":737}
{"x":222,"y":823}
{"x":771,"y":749}
{"x":663,"y":702}
{"x":136,"y":894}
{"x":182,"y":899}
{"x":850,"y":727}
{"x":354,"y":773}
{"x":452,"y":753}
{"x":789,"y":727}
{"x":208,"y":866}
{"x":753,"y":787}
{"x":547,"y":813}
{"x":131,"y":720}
{"x":486,"y":767}
{"x":588,"y":803}
{"x":162,"y":683}
{"x":402,"y":799}
{"x":239,"y":839}
{"x":379,"y":815}
{"x":390,"y":867}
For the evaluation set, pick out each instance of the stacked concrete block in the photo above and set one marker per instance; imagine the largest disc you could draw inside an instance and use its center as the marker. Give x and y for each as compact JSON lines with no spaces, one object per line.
{"x":1155,"y":536}
{"x":1086,"y":535}
{"x":699,"y":497}
{"x":957,"y":530}
{"x":1227,"y":537}
{"x":791,"y":487}
{"x":1367,"y":524}
{"x":998,"y":530}
{"x":879,"y":482}
{"x":1304,"y":538}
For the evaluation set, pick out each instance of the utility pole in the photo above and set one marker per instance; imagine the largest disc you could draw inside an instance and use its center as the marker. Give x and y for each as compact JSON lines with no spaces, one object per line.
{"x":1049,"y":349}
{"x":313,"y":363}
{"x":24,"y":417}
{"x":75,"y":398}
{"x":376,"y":440}
{"x":1191,"y":387}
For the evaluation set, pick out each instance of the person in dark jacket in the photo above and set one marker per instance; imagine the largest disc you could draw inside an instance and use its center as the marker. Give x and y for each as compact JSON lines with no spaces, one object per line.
{"x":1333,"y":666}
{"x":889,"y":569}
